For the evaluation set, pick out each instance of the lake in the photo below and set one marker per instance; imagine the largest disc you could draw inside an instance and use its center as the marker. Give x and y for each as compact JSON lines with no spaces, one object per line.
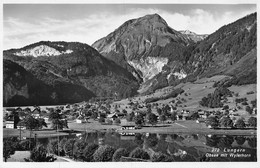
{"x":181,"y":147}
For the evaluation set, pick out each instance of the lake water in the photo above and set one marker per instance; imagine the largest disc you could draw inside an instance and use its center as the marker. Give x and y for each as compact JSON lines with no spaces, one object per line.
{"x":180,"y":147}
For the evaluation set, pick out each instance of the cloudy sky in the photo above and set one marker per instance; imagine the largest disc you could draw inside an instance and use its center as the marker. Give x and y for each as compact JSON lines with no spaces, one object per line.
{"x":25,"y":24}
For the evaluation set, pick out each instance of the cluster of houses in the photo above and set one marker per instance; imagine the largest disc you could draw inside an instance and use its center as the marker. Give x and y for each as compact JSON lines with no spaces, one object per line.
{"x":35,"y":112}
{"x":79,"y":113}
{"x":21,"y":113}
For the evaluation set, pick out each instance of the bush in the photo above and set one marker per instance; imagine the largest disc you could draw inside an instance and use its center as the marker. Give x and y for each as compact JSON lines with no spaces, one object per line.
{"x":119,"y":153}
{"x":152,"y":119}
{"x":160,"y":157}
{"x":139,"y":153}
{"x":78,"y":150}
{"x":117,"y":121}
{"x":68,"y":147}
{"x":24,"y":145}
{"x":252,"y":122}
{"x":40,"y":154}
{"x":251,"y":92}
{"x":212,"y":121}
{"x":240,"y":123}
{"x":253,"y":102}
{"x":241,"y":100}
{"x":109,"y":121}
{"x":249,"y":109}
{"x":104,"y":153}
{"x":53,"y":146}
{"x":152,"y":140}
{"x":101,"y":120}
{"x":244,"y":103}
{"x":89,"y":151}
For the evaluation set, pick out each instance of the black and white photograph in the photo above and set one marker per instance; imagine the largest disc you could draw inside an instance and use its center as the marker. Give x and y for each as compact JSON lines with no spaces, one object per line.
{"x":127,"y":82}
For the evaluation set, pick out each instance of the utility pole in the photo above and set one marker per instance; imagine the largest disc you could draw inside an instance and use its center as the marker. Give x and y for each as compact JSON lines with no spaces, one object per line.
{"x":20,"y":134}
{"x":35,"y":139}
{"x":30,"y":142}
{"x":58,"y":142}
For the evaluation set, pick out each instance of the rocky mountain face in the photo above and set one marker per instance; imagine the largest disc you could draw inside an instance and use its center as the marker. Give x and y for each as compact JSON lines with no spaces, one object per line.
{"x":136,"y":45}
{"x":193,"y":36}
{"x":231,"y":51}
{"x":160,"y":56}
{"x":143,"y":53}
{"x":60,"y":72}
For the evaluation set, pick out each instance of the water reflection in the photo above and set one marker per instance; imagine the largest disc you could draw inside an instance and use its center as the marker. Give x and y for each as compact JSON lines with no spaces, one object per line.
{"x":174,"y":147}
{"x":240,"y":140}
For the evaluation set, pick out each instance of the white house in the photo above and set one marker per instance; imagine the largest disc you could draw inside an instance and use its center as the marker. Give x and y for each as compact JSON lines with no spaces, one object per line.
{"x":80,"y":119}
{"x":9,"y":124}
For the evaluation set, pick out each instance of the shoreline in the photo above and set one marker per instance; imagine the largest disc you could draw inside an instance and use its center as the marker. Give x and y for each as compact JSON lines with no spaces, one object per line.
{"x":168,"y":130}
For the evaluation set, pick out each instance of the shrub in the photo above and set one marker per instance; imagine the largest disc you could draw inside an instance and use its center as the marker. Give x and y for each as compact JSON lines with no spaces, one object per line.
{"x":117,"y":121}
{"x":104,"y":153}
{"x":253,"y":102}
{"x":240,"y":123}
{"x":119,"y":153}
{"x":249,"y":109}
{"x":240,"y":140}
{"x":212,"y":121}
{"x":89,"y":151}
{"x":78,"y":150}
{"x":152,"y":119}
{"x":251,"y":92}
{"x":109,"y":121}
{"x":252,"y":121}
{"x":53,"y":146}
{"x":24,"y":145}
{"x":160,"y":157}
{"x":226,"y":122}
{"x":241,"y":100}
{"x":244,"y":103}
{"x":40,"y":154}
{"x":68,"y":147}
{"x":152,"y":140}
{"x":139,"y":153}
{"x":101,"y":120}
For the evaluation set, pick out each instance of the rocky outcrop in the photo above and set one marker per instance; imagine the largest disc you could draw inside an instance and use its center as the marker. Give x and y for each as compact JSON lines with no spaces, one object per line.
{"x":149,"y":67}
{"x":136,"y":42}
{"x":193,"y":36}
{"x":41,"y":50}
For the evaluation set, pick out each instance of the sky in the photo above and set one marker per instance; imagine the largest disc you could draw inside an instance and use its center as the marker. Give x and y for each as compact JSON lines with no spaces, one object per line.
{"x":24,"y":24}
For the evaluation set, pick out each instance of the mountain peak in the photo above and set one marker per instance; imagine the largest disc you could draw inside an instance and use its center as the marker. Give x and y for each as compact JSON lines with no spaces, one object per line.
{"x":153,"y":18}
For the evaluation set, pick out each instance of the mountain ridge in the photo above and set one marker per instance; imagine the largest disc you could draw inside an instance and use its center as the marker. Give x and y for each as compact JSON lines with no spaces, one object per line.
{"x":143,"y":53}
{"x":84,"y":68}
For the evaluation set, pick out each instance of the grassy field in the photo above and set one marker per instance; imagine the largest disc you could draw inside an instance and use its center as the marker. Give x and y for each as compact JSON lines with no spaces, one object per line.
{"x":196,"y":91}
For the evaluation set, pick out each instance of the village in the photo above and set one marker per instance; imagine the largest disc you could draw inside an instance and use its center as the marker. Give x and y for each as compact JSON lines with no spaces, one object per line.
{"x":119,"y":116}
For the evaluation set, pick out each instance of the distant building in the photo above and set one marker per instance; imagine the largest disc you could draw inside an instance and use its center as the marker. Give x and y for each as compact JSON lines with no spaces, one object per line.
{"x":112,"y":116}
{"x":80,"y":119}
{"x":36,"y":113}
{"x":9,"y":110}
{"x":9,"y":124}
{"x":21,"y":125}
{"x":185,"y":116}
{"x":128,"y":127}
